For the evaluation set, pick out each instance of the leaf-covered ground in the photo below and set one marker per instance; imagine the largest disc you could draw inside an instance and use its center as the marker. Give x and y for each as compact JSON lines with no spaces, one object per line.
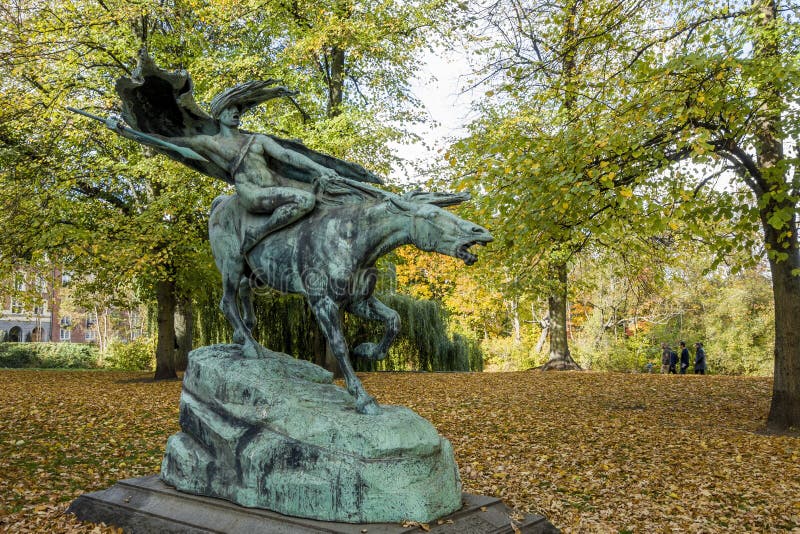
{"x":593,"y":452}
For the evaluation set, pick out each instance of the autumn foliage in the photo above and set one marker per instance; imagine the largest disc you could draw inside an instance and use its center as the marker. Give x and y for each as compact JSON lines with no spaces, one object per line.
{"x":594,"y":452}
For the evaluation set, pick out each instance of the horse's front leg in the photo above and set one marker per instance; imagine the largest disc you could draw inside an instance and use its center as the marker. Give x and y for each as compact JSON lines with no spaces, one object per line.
{"x":327,"y":313}
{"x":375,"y":310}
{"x":251,"y":346}
{"x":231,"y":278}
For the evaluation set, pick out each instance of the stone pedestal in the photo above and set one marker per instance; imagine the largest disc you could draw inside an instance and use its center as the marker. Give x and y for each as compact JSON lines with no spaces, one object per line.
{"x":146,"y":505}
{"x":275,"y":433}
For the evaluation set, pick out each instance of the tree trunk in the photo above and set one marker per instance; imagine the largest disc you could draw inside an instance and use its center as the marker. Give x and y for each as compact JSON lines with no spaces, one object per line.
{"x":560,"y":359}
{"x":784,"y":411}
{"x":184,"y":332}
{"x":515,"y":325}
{"x":165,"y":347}
{"x":544,"y":323}
{"x":770,"y":187}
{"x":335,"y":82}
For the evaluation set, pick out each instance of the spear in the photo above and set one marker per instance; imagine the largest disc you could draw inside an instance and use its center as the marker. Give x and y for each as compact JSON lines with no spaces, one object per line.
{"x":143,"y":137}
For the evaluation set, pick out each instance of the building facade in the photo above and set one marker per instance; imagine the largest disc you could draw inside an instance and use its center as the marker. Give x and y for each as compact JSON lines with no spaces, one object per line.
{"x":30,"y":311}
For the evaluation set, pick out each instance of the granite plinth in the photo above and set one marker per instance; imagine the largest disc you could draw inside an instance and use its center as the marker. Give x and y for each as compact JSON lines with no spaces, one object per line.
{"x":147,"y":505}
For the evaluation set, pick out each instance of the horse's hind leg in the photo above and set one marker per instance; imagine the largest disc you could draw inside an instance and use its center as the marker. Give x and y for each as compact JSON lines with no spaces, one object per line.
{"x":327,"y":313}
{"x":375,"y":310}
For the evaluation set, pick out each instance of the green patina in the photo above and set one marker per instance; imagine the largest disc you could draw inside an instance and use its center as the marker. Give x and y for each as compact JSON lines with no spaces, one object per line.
{"x":261,"y":428}
{"x":275,"y":433}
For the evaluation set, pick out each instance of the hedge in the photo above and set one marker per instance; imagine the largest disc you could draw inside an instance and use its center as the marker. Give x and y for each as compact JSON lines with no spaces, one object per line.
{"x":49,"y":355}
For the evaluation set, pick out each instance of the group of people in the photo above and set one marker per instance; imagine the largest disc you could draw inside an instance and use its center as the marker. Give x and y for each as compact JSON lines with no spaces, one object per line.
{"x":670,"y":359}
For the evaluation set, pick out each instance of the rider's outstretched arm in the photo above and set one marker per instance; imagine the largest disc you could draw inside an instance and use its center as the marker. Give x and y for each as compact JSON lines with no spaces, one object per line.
{"x":193,"y":142}
{"x":295,"y":159}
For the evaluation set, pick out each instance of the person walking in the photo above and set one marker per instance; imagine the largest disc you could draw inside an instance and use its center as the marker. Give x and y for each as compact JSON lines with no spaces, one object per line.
{"x":699,"y":359}
{"x":684,"y":358}
{"x":673,"y":362}
{"x":665,"y":350}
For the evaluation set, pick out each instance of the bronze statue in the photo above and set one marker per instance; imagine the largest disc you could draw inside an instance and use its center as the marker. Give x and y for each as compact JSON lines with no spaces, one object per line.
{"x":300,"y":221}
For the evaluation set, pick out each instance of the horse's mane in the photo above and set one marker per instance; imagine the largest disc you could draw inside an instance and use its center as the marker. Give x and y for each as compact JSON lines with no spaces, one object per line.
{"x":346,"y":191}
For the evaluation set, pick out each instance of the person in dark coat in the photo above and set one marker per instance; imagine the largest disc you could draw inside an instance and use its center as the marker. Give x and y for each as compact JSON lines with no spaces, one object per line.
{"x":665,"y":352}
{"x":684,"y":358}
{"x":699,"y":359}
{"x":673,"y":361}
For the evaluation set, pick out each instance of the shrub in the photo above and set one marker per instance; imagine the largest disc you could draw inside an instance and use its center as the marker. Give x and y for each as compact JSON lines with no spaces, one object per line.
{"x":49,"y":355}
{"x":505,"y":354}
{"x":137,"y":355}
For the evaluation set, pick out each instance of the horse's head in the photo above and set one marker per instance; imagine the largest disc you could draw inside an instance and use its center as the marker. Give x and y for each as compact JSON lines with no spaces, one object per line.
{"x":435,"y":229}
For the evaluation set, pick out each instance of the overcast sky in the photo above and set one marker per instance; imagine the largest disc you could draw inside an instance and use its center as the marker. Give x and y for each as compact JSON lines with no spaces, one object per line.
{"x":439,"y":85}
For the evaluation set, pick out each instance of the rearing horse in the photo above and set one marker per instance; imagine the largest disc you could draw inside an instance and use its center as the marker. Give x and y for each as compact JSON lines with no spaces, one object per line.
{"x":329,"y":257}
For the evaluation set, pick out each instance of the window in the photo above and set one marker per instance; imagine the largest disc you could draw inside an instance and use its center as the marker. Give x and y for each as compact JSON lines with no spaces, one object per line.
{"x":41,"y":309}
{"x":19,"y":283}
{"x":41,"y":284}
{"x":65,"y":321}
{"x":20,"y":287}
{"x":65,"y":335}
{"x":88,"y":335}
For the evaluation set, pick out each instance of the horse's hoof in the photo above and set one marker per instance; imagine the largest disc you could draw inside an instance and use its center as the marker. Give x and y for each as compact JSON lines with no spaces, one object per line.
{"x":251,"y":350}
{"x":368,"y":406}
{"x":368,"y":351}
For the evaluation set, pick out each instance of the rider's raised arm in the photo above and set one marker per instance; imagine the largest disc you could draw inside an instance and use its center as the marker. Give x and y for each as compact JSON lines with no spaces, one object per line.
{"x":295,"y":159}
{"x":196,"y":142}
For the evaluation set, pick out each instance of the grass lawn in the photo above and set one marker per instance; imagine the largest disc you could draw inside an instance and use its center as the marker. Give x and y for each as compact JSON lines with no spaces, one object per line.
{"x":594,"y":452}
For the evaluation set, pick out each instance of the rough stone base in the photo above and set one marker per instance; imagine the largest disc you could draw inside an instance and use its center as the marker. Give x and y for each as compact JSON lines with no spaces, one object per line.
{"x":275,"y":433}
{"x":146,"y":505}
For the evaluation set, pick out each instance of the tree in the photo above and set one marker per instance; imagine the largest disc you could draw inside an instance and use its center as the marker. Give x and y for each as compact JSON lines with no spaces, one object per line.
{"x":534,"y":150}
{"x":733,"y":88}
{"x":114,"y":212}
{"x":108,"y":213}
{"x":669,"y":83}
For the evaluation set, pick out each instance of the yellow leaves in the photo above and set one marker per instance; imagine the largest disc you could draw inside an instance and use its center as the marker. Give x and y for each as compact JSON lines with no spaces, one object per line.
{"x":576,"y":452}
{"x":594,"y":452}
{"x":626,"y":192}
{"x":532,"y":165}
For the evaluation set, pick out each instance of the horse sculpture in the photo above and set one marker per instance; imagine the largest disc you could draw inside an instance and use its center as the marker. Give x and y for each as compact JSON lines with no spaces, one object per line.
{"x":328,"y":255}
{"x":329,"y":258}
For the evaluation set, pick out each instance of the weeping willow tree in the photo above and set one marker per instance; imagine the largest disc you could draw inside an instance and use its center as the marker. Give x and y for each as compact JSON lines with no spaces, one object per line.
{"x":285,"y":323}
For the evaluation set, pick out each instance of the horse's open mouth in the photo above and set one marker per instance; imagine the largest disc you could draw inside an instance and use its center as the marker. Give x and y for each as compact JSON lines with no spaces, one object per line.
{"x":465,"y":255}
